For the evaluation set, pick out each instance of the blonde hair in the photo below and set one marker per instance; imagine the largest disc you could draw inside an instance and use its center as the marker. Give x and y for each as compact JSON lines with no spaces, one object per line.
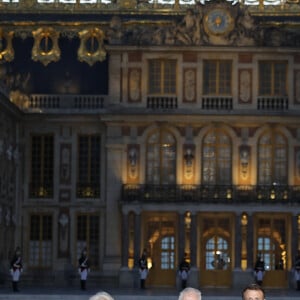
{"x":102,"y":296}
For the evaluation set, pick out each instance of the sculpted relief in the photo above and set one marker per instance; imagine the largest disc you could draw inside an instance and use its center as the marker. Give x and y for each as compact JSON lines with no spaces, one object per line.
{"x":215,"y":23}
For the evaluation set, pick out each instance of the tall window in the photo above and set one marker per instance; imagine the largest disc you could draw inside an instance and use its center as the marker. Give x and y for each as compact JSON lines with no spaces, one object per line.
{"x":42,"y":166}
{"x":161,"y":158}
{"x":40,"y":244}
{"x":217,"y":242}
{"x":88,"y":184}
{"x":217,"y":77}
{"x":216,"y":158}
{"x":168,"y":252}
{"x":272,"y":159}
{"x":162,"y":77}
{"x":88,"y":236}
{"x":272,"y":78}
{"x":271,"y":241}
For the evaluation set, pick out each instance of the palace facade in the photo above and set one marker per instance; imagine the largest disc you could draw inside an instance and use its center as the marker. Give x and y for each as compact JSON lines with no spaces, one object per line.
{"x":170,"y":126}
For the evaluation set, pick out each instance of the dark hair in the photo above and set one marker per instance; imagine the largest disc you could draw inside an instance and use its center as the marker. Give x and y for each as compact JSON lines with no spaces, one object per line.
{"x":253,"y":287}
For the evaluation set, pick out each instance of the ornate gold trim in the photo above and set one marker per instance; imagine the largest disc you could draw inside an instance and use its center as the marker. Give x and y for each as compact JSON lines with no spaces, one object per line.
{"x":41,"y":52}
{"x":84,"y":54}
{"x":8,"y":53}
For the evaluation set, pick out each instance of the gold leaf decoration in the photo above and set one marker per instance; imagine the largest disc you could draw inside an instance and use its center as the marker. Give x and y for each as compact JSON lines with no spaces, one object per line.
{"x":6,"y":49}
{"x":45,"y":48}
{"x":91,"y":47}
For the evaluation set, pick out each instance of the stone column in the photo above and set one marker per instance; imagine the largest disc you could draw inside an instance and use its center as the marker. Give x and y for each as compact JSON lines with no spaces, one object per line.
{"x":125,"y":241}
{"x":240,"y":278}
{"x":238,"y":242}
{"x":137,"y":248}
{"x":137,"y":239}
{"x":294,"y":250}
{"x":294,"y":241}
{"x":193,"y":279}
{"x":181,"y":237}
{"x":250,"y":243}
{"x":125,"y":279}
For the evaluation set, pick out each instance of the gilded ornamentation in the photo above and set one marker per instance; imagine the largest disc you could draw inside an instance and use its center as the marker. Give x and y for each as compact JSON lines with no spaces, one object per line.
{"x":6,"y":49}
{"x":45,"y":48}
{"x":91,"y":47}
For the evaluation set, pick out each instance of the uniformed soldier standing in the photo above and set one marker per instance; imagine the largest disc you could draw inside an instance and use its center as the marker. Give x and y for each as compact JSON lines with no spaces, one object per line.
{"x":184,"y":269}
{"x":16,"y":268}
{"x":259,"y":270}
{"x":83,"y":268}
{"x":143,"y":269}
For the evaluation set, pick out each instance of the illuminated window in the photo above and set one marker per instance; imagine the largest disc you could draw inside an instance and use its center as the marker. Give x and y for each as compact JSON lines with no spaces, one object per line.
{"x":216,"y":158}
{"x":272,"y":159}
{"x":168,"y":253}
{"x":271,"y":242}
{"x":161,"y":158}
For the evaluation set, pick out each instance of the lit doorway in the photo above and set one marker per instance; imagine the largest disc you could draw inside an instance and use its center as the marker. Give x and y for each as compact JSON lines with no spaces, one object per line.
{"x":216,"y":250}
{"x":160,"y":241}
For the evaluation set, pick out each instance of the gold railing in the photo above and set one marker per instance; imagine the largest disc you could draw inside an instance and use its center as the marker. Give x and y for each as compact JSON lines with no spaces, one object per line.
{"x":278,"y":7}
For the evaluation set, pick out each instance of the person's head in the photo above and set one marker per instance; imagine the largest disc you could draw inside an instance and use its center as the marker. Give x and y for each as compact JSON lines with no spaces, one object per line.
{"x":101,"y":296}
{"x":253,"y":292}
{"x":190,"y":293}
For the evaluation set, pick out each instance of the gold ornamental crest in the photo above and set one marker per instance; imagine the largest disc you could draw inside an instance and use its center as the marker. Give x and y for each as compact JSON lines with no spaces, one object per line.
{"x":91,"y":47}
{"x":6,"y":49}
{"x":45,"y":48}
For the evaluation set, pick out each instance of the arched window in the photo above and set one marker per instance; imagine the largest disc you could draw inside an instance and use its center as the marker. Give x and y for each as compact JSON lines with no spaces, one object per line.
{"x":272,"y":159}
{"x":216,"y":158}
{"x":271,"y":241}
{"x":216,"y":253}
{"x":161,"y":158}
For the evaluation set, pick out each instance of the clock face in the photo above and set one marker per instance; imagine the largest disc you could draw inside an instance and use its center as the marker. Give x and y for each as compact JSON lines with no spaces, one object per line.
{"x":218,"y":22}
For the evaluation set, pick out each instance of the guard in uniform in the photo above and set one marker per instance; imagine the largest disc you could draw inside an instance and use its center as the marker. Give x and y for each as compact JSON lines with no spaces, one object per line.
{"x":184,"y":269}
{"x":83,"y":268}
{"x":16,"y":268}
{"x":143,"y":269}
{"x":259,"y":270}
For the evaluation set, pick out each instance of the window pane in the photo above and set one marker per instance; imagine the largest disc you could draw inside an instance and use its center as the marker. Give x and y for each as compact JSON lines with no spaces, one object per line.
{"x":162,"y":77}
{"x":40,"y":244}
{"x":216,"y":159}
{"x":217,"y":77}
{"x":161,"y":158}
{"x":272,"y":159}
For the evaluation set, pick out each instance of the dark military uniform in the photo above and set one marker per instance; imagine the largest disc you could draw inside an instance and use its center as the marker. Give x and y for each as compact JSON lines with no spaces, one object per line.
{"x":143,"y":269}
{"x":259,"y":270}
{"x":16,"y":268}
{"x":184,"y":269}
{"x":83,"y":269}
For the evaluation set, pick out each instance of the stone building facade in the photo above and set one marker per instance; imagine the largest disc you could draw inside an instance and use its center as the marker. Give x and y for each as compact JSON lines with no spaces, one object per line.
{"x":170,"y":127}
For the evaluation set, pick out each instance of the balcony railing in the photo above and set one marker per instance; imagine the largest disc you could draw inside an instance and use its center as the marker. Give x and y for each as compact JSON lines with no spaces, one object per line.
{"x":223,"y":103}
{"x":162,"y":102}
{"x":273,"y":103}
{"x":44,"y":101}
{"x":238,"y":194}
